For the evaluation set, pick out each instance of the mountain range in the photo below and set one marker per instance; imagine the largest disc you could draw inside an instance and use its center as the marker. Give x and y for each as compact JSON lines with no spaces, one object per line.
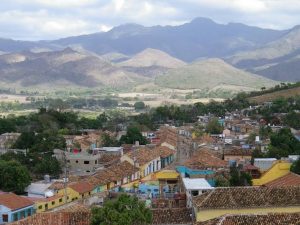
{"x":198,"y":54}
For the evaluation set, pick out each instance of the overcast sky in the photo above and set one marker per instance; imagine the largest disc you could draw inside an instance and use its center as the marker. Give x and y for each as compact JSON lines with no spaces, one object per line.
{"x":51,"y":19}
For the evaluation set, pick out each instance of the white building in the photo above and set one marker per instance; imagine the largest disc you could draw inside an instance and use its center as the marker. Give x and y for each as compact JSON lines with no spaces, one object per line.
{"x":194,"y":187}
{"x":264,"y":163}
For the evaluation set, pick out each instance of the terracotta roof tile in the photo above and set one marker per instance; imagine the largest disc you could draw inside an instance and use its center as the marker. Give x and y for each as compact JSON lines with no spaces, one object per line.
{"x":14,"y":202}
{"x":238,"y":152}
{"x":172,"y":216}
{"x":245,"y":197}
{"x":113,"y":173}
{"x":82,"y":187}
{"x":73,"y":215}
{"x":291,"y":179}
{"x":205,"y":158}
{"x":261,"y":219}
{"x":145,"y":154}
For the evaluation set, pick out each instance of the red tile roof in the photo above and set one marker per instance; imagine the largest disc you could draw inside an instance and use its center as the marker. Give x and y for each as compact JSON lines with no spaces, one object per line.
{"x":82,"y":187}
{"x":246,"y":197}
{"x":172,"y":216}
{"x":291,"y":179}
{"x":144,"y":155}
{"x":238,"y":152}
{"x":264,"y":219}
{"x":113,"y":173}
{"x":73,"y":215}
{"x":14,"y":202}
{"x":205,"y":158}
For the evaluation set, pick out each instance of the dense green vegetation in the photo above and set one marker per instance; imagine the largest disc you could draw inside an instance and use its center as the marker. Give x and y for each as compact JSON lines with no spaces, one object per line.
{"x":239,"y":178}
{"x":132,"y":135}
{"x":13,"y":176}
{"x":296,"y":167}
{"x":125,"y":210}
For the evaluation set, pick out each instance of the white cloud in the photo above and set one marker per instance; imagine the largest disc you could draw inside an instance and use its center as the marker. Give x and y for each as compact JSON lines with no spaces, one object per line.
{"x":42,"y":25}
{"x":58,"y":3}
{"x":46,"y":19}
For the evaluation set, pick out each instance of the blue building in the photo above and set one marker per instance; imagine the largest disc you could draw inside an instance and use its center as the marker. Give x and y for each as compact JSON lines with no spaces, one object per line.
{"x":187,"y":172}
{"x":14,"y":207}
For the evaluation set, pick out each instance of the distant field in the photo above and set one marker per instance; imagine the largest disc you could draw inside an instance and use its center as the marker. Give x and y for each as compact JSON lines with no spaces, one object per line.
{"x":19,"y":113}
{"x":272,"y":96}
{"x":12,"y":98}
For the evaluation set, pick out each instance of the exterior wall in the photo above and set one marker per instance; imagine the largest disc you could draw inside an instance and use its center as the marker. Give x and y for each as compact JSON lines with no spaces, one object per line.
{"x":278,"y":170}
{"x":99,"y":189}
{"x":189,"y":197}
{"x":41,"y":206}
{"x":167,"y":161}
{"x":204,"y":215}
{"x":187,"y":172}
{"x":71,"y":194}
{"x":17,"y":214}
{"x":150,"y":167}
{"x":264,"y":165}
{"x":77,"y":163}
{"x":190,"y":172}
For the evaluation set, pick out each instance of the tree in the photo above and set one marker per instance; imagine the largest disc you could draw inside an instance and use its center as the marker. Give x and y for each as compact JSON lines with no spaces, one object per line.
{"x":139,"y":105}
{"x":13,"y":176}
{"x":214,"y":127}
{"x":295,"y":168}
{"x":126,"y":210}
{"x":293,"y":120}
{"x":221,"y":181}
{"x":133,"y":134}
{"x":47,"y":165}
{"x":25,"y":141}
{"x":239,"y":178}
{"x":108,"y":141}
{"x":283,"y":143}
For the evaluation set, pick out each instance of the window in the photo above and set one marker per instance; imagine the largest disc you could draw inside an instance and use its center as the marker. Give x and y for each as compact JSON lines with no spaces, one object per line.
{"x":15,"y":217}
{"x":22,"y":214}
{"x":40,"y":207}
{"x":60,"y":200}
{"x":29,"y":212}
{"x":89,"y":193}
{"x":5,"y":218}
{"x":68,"y":161}
{"x":96,"y":162}
{"x":46,"y":206}
{"x":86,"y":162}
{"x":195,"y":193}
{"x":76,"y":161}
{"x":53,"y":203}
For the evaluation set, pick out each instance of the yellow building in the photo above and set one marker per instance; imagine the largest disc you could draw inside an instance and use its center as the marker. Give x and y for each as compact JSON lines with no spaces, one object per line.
{"x":278,"y":169}
{"x":44,"y":204}
{"x":82,"y":190}
{"x":246,"y":200}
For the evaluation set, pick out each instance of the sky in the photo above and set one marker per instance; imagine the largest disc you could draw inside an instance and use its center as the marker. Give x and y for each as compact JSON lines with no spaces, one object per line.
{"x":52,"y":19}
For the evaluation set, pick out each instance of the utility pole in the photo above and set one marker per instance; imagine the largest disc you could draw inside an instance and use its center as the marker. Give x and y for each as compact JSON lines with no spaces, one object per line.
{"x":65,"y":176}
